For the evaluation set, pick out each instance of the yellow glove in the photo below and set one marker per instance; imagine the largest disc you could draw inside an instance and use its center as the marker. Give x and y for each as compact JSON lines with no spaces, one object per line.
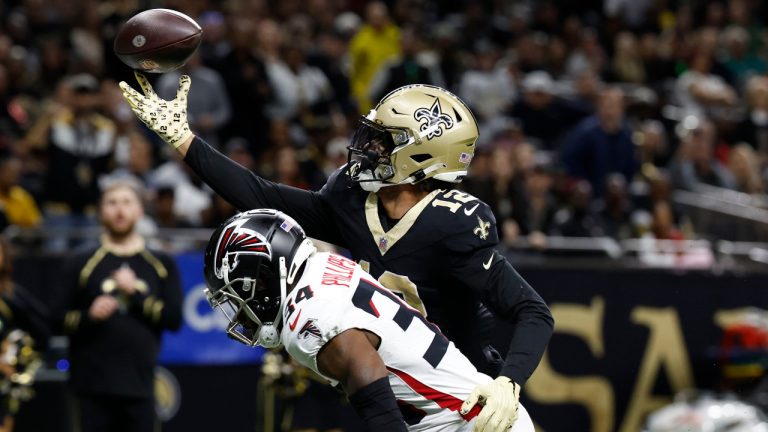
{"x":167,"y":118}
{"x":500,"y":399}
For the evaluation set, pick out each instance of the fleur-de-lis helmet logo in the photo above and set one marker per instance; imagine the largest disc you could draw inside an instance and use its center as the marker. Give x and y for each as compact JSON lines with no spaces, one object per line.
{"x":433,"y":118}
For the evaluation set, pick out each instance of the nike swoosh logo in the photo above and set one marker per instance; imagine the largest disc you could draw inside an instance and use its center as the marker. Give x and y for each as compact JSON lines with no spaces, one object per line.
{"x":487,"y":264}
{"x":296,"y":321}
{"x":470,"y":211}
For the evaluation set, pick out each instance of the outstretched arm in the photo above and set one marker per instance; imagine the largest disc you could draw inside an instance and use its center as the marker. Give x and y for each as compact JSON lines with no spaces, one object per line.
{"x":245,"y":190}
{"x":352,"y":359}
{"x":236,"y":184}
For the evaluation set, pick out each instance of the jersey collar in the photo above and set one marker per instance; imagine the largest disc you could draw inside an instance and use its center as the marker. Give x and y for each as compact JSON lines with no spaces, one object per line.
{"x":385,"y":240}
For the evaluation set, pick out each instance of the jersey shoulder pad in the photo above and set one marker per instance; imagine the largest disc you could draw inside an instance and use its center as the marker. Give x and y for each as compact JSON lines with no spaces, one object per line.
{"x":318,"y":305}
{"x":318,"y":313}
{"x":469,"y":223}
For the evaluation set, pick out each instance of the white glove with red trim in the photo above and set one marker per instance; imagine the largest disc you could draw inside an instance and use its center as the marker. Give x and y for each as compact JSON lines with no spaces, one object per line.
{"x":500,"y":399}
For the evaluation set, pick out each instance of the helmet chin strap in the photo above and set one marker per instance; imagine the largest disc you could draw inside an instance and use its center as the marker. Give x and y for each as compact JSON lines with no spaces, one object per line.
{"x":424,"y":173}
{"x":269,"y":335}
{"x":369,"y":184}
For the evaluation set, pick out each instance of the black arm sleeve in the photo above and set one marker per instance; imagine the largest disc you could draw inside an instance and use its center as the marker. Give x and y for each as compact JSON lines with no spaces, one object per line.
{"x":508,"y":295}
{"x":68,"y":304}
{"x":475,"y":262}
{"x":245,"y":190}
{"x":170,"y":317}
{"x":376,"y":405}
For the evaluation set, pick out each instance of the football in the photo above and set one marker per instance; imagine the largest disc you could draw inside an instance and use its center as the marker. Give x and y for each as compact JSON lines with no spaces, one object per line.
{"x":157,"y":40}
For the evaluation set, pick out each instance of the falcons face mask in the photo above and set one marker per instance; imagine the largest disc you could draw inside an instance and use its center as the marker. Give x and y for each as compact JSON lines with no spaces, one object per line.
{"x":252,"y":309}
{"x":250,"y":261}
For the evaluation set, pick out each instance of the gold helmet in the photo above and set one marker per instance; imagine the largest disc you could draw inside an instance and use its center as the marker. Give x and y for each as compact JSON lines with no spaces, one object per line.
{"x":415,"y":133}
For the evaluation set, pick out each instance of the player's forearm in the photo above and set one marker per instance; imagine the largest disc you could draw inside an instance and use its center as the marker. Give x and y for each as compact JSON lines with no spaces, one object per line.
{"x":245,"y":191}
{"x":377,"y":407}
{"x":510,"y":297}
{"x":233,"y":182}
{"x":532,"y":332}
{"x":351,"y":358}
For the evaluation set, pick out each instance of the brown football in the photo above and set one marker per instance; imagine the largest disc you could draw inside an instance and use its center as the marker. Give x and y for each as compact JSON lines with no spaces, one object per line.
{"x":157,"y":40}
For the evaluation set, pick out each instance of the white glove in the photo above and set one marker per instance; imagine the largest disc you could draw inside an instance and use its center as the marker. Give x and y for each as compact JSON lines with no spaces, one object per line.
{"x":500,"y":399}
{"x":167,"y":118}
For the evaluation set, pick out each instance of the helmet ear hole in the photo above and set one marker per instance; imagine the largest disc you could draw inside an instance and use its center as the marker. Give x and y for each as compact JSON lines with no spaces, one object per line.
{"x":421,"y":157}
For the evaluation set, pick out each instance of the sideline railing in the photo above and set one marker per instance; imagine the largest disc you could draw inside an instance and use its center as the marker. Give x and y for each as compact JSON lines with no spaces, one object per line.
{"x":598,"y":251}
{"x":725,"y":214}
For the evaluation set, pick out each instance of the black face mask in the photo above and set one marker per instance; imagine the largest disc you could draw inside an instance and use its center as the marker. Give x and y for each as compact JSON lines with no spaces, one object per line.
{"x":266,"y":297}
{"x":370,"y":148}
{"x":259,"y":290}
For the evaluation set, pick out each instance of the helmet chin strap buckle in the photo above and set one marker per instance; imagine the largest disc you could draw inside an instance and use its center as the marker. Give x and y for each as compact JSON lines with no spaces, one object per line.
{"x":419,"y":175}
{"x":247,"y":283}
{"x":269,"y":337}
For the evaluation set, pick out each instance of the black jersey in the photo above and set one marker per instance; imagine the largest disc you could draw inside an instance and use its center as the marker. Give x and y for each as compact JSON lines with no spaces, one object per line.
{"x":445,"y":245}
{"x":117,"y":356}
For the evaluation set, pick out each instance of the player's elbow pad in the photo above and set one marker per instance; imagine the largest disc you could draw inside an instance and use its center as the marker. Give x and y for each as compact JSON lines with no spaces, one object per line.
{"x":376,"y":405}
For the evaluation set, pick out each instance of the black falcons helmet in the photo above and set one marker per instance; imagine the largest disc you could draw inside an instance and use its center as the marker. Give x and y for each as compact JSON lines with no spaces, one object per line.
{"x":249,"y":261}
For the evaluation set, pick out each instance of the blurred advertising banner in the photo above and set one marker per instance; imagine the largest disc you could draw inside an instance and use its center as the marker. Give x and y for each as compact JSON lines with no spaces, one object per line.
{"x":627,"y":340}
{"x":202,"y":339}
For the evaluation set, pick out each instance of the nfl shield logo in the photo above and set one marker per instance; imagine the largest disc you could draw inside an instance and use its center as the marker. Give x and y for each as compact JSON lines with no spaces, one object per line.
{"x":465,"y":158}
{"x":383,"y":244}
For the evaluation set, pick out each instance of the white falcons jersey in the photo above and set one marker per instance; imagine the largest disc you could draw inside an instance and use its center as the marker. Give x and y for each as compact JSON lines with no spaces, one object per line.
{"x":428,"y":375}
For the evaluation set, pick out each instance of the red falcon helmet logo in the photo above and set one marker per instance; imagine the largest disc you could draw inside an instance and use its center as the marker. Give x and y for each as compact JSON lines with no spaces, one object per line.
{"x":235,"y":241}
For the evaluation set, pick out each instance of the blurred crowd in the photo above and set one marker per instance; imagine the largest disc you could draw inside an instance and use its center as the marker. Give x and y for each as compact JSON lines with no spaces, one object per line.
{"x":591,"y":112}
